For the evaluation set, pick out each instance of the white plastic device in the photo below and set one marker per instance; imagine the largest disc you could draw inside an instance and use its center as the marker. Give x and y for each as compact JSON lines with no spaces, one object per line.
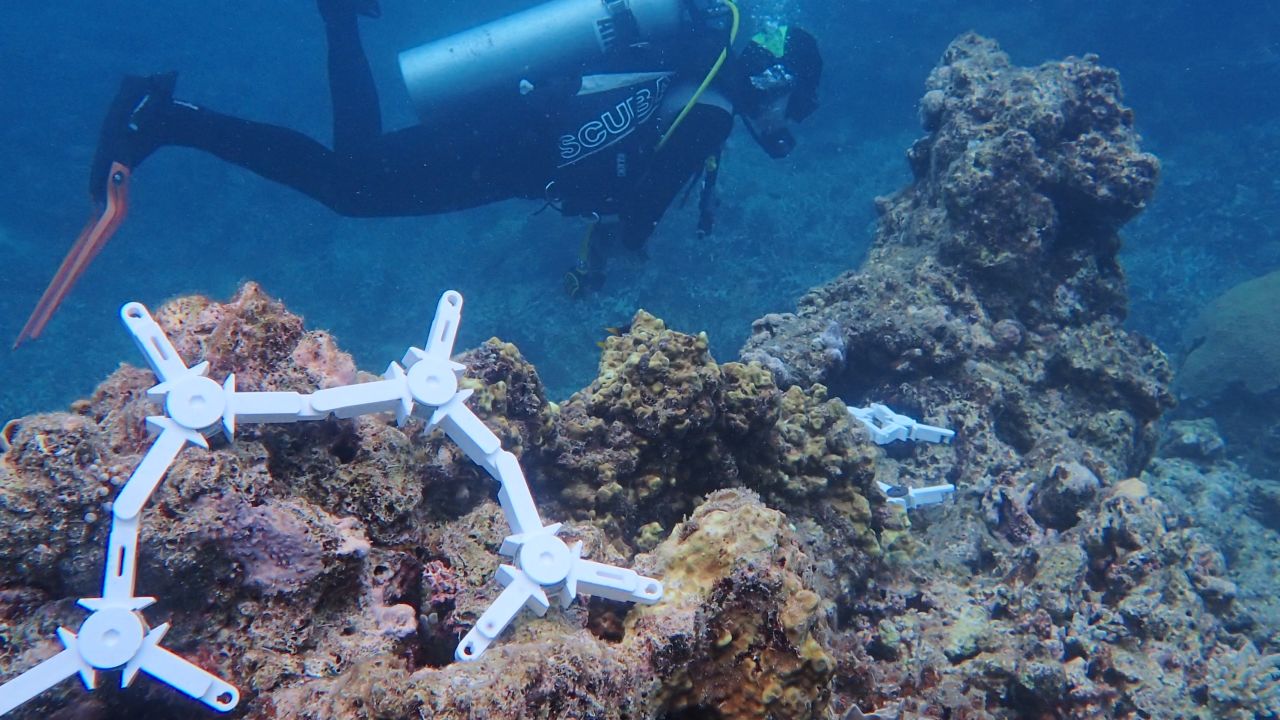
{"x":887,"y":426}
{"x":425,"y":385}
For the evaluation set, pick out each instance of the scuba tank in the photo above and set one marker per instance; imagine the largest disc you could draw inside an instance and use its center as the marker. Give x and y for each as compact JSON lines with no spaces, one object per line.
{"x":513,"y":54}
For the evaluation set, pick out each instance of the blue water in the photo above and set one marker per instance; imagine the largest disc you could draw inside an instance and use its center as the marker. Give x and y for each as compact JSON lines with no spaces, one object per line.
{"x":1201,"y":77}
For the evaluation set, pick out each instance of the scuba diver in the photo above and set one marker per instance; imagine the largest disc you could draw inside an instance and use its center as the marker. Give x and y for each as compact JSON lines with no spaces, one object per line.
{"x":603,"y":109}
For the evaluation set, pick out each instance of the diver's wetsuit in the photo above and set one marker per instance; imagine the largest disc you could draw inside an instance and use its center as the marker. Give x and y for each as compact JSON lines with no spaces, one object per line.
{"x":589,"y":152}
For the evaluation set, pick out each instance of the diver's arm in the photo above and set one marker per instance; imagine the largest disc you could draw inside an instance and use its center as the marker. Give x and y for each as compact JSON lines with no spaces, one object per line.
{"x":701,"y":134}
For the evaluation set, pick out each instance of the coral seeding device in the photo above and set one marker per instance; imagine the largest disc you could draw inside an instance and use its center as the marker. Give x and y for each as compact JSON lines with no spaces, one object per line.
{"x":886,"y":426}
{"x":424,"y":384}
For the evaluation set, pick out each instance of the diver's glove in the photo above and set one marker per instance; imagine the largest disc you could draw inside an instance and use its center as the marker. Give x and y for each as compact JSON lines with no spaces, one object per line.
{"x":579,"y":281}
{"x":587,"y":274}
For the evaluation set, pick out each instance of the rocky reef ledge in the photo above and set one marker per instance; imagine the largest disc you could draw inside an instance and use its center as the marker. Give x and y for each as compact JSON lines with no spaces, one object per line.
{"x":328,"y":569}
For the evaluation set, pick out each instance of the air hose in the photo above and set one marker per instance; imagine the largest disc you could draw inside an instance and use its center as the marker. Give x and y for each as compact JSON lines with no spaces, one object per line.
{"x":706,"y":82}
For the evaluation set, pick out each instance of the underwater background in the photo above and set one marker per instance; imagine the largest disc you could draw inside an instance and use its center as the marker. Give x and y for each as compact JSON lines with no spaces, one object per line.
{"x":1200,"y":76}
{"x":1108,"y":551}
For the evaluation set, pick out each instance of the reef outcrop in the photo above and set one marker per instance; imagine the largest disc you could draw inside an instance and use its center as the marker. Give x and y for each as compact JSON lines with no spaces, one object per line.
{"x":992,"y":299}
{"x":1054,"y":585}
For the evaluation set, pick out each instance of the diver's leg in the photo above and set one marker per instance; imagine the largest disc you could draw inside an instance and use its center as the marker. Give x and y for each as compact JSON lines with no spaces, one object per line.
{"x":399,"y":174}
{"x":409,"y":172}
{"x":357,"y":118}
{"x":276,"y":153}
{"x":144,"y":116}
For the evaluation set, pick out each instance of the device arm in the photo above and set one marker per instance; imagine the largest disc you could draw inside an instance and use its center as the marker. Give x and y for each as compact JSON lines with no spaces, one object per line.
{"x":47,"y":674}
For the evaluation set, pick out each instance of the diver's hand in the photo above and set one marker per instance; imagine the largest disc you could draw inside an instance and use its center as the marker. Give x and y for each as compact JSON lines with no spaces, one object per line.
{"x":587,"y":275}
{"x":579,"y":282}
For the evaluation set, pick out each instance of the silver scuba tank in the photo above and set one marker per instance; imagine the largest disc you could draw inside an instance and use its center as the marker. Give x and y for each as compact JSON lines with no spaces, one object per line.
{"x":512,"y":54}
